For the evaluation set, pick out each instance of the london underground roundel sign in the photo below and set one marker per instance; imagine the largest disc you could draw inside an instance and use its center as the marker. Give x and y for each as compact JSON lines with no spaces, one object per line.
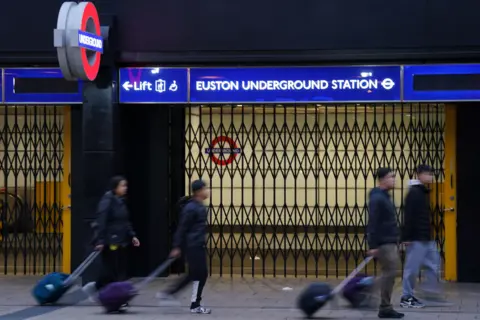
{"x":78,"y":40}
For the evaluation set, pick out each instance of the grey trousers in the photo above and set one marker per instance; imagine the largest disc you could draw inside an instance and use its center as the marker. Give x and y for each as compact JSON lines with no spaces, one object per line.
{"x":389,"y":263}
{"x":421,"y":254}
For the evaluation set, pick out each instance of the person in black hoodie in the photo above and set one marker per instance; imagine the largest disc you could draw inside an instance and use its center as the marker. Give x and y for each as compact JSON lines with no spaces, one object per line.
{"x":191,"y":237}
{"x":114,"y":233}
{"x":383,"y":236}
{"x":417,"y":236}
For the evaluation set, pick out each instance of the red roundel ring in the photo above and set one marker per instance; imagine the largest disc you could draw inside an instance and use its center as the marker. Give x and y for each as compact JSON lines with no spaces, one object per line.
{"x":233,"y":145}
{"x":90,"y":12}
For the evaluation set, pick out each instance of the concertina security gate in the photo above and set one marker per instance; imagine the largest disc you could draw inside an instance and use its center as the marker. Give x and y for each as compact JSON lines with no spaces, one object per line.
{"x":31,"y":143}
{"x":294,"y":200}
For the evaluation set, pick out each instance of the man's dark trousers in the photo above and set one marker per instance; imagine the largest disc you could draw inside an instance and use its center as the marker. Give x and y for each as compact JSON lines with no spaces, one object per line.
{"x":197,"y":273}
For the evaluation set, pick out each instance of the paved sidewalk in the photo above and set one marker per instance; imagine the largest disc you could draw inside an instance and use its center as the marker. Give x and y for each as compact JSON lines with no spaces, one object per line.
{"x":229,"y":298}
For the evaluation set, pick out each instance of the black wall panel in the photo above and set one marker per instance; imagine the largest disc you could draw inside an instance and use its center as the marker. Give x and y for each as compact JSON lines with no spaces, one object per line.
{"x":145,"y":146}
{"x":26,"y":29}
{"x":468,"y":175}
{"x":163,"y":29}
{"x":271,"y":25}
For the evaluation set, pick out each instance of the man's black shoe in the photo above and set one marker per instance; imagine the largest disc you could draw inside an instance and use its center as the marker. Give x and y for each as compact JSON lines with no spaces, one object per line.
{"x":390,"y":314}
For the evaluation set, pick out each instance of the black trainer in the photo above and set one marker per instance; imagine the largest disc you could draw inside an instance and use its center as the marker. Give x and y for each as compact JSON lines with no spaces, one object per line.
{"x":200,"y":310}
{"x":411,"y":302}
{"x":390,"y":314}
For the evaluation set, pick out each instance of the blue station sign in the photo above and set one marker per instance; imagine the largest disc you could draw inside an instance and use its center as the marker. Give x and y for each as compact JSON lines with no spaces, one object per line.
{"x":153,"y":85}
{"x":443,"y":83}
{"x":350,"y":84}
{"x":40,"y":86}
{"x":295,"y":84}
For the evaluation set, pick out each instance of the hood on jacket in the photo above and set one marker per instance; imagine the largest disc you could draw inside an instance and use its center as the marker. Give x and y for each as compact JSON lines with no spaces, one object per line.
{"x":414,"y":182}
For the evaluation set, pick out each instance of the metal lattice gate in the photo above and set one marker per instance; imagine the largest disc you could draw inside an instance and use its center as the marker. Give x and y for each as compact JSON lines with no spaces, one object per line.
{"x":32,"y":150}
{"x":290,"y":183}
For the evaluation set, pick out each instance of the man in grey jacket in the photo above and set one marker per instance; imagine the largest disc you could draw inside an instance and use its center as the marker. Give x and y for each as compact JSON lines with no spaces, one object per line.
{"x":421,"y":247}
{"x":383,"y":236}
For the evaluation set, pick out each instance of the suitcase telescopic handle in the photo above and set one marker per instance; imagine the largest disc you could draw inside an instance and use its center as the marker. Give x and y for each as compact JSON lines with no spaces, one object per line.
{"x":337,"y":289}
{"x":342,"y":284}
{"x":155,"y":273}
{"x":81,"y":268}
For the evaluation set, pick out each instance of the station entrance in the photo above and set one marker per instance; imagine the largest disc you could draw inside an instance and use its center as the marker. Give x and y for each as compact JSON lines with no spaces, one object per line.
{"x":290,"y":183}
{"x":34,"y":175}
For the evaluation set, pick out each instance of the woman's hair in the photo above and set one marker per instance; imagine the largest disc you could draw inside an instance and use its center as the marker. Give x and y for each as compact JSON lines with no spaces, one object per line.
{"x":115,"y":181}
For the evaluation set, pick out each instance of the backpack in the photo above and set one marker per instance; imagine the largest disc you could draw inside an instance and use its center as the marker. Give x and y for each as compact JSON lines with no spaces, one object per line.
{"x":182,"y":203}
{"x":179,"y":264}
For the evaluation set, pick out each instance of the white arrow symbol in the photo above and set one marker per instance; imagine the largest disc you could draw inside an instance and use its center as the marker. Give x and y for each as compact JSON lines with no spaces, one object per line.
{"x":127,"y":86}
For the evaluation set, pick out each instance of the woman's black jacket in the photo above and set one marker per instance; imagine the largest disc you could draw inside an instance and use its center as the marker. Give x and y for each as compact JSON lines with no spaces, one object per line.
{"x":113,"y":224}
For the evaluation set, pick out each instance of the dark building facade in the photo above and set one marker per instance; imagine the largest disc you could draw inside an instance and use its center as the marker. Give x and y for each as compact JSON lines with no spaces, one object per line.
{"x":293,"y":200}
{"x":189,"y":32}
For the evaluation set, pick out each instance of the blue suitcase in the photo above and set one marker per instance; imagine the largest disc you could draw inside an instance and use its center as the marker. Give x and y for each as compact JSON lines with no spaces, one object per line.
{"x":54,"y":285}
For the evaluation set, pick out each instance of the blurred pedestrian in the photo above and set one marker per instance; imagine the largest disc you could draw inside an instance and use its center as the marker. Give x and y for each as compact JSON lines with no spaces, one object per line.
{"x":421,"y":248}
{"x":191,"y":235}
{"x":383,"y":236}
{"x":114,"y":233}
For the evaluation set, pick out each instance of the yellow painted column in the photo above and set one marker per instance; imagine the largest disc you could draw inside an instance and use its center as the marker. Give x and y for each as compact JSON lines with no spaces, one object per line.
{"x":450,"y":194}
{"x":65,"y":192}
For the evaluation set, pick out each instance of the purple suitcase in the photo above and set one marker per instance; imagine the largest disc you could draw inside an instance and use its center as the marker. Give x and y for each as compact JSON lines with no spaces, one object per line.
{"x":358,"y":289}
{"x":315,"y":297}
{"x":116,"y":294}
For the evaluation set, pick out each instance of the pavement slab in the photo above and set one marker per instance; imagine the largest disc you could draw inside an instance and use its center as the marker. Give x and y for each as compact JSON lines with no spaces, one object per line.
{"x":229,"y":298}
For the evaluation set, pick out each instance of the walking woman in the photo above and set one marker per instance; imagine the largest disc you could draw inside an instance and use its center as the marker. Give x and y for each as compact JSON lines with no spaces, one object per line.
{"x":114,"y":233}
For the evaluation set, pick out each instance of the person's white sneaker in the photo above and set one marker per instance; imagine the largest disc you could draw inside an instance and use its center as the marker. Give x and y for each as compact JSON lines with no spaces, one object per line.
{"x":91,"y":291}
{"x":166,"y":299}
{"x":200,"y":310}
{"x":124,"y":307}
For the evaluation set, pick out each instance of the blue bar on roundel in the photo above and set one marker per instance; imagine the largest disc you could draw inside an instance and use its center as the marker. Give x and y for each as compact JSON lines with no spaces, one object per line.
{"x":441,"y":83}
{"x":296,"y":84}
{"x":40,"y":86}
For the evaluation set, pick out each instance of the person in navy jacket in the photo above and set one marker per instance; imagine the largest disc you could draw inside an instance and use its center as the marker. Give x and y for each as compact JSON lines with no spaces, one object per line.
{"x":191,"y":237}
{"x":383,"y":237}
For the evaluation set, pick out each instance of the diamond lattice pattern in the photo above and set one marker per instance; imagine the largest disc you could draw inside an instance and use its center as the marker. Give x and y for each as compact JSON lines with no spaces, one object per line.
{"x":294,"y":201}
{"x":31,"y":155}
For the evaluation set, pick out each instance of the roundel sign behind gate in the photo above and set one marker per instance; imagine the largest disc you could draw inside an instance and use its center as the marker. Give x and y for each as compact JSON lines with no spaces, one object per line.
{"x":78,"y":40}
{"x":220,"y":154}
